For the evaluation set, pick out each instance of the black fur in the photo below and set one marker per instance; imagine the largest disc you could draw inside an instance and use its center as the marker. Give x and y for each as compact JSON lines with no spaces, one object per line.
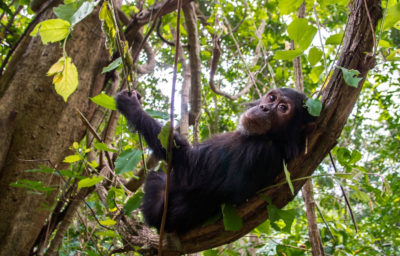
{"x":227,"y":168}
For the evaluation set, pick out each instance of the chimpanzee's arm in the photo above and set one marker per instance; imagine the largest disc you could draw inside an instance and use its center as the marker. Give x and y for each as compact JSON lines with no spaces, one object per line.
{"x":128,"y":103}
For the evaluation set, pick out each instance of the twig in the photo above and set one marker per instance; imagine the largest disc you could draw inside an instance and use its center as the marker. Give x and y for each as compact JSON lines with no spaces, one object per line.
{"x":91,"y":235}
{"x":320,"y":39}
{"x":371,"y":25}
{"x":158,"y":30}
{"x":125,"y":66}
{"x":171,"y":132}
{"x":326,"y":224}
{"x":344,"y":195}
{"x":382,"y":22}
{"x":95,"y":134}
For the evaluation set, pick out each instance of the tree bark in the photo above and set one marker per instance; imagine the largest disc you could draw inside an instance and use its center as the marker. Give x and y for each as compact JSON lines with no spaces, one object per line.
{"x":195,"y":62}
{"x":313,"y":232}
{"x":38,"y":125}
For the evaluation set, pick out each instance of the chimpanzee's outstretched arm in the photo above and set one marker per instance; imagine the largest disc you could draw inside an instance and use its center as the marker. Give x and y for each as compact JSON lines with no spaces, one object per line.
{"x":129,"y":104}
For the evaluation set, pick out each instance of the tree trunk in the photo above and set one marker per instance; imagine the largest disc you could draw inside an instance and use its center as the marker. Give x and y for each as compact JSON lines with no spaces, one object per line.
{"x":38,"y":127}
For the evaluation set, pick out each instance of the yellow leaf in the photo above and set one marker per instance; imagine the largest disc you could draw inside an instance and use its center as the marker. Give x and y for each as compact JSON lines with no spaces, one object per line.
{"x":69,"y":81}
{"x":75,"y":145}
{"x":57,"y":67}
{"x":108,"y":222}
{"x":57,"y":78}
{"x":72,"y":159}
{"x":52,"y":30}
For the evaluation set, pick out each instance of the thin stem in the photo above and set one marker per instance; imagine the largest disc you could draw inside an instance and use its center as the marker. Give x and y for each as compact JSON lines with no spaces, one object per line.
{"x":125,"y":67}
{"x":320,"y":39}
{"x":345,"y":196}
{"x":371,"y":25}
{"x":171,"y":133}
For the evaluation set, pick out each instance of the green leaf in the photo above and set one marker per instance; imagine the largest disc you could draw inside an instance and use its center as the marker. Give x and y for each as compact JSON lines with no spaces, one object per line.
{"x":392,"y":16}
{"x":355,"y":157}
{"x":264,"y":227}
{"x":232,"y":220}
{"x":343,"y":156}
{"x":133,"y":202}
{"x":314,"y":107}
{"x":301,"y":33}
{"x":107,"y":233}
{"x":314,"y":55}
{"x":392,"y":55}
{"x":276,"y":214}
{"x":334,"y":39}
{"x":287,"y":175}
{"x":42,"y":169}
{"x":103,"y":147}
{"x":52,"y":30}
{"x":105,"y":101}
{"x":66,"y":11}
{"x":158,"y":114}
{"x":211,"y":252}
{"x":350,"y":76}
{"x":287,"y":54}
{"x":72,"y":159}
{"x":127,"y":161}
{"x":384,"y":44}
{"x":315,"y":73}
{"x":84,"y":10}
{"x":163,"y":136}
{"x":113,"y":65}
{"x":108,"y":222}
{"x":110,"y":200}
{"x":32,"y":185}
{"x":88,"y":182}
{"x":361,"y":196}
{"x":289,"y":6}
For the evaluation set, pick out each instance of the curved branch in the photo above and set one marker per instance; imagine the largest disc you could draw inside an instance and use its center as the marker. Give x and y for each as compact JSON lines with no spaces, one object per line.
{"x":159,"y":34}
{"x":214,"y":65}
{"x":216,"y":54}
{"x":151,"y":60}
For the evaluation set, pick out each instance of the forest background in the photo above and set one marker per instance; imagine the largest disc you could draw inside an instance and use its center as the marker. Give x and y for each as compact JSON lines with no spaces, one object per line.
{"x":71,"y":171}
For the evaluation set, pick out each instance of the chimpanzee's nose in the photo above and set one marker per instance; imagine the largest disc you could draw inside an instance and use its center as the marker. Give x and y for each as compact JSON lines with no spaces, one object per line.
{"x":264,"y":107}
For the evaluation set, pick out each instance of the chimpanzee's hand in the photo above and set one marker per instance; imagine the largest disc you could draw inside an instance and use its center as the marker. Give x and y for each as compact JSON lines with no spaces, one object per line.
{"x":128,"y":101}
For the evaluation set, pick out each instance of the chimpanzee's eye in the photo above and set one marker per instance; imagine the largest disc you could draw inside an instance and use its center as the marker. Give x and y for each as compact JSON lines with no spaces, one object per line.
{"x":272,"y":97}
{"x":283,"y":107}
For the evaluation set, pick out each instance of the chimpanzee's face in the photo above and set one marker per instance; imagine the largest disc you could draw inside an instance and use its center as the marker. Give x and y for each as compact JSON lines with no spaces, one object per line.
{"x":270,"y":114}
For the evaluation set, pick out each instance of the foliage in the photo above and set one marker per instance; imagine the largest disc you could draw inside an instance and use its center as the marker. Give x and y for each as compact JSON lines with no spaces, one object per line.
{"x":367,"y":152}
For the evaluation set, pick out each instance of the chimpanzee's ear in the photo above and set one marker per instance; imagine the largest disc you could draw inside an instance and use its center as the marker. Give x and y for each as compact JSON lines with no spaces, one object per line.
{"x":252,"y":104}
{"x":308,"y":128}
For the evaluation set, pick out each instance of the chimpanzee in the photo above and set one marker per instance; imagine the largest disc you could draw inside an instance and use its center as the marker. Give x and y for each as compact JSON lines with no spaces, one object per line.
{"x":227,"y":168}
